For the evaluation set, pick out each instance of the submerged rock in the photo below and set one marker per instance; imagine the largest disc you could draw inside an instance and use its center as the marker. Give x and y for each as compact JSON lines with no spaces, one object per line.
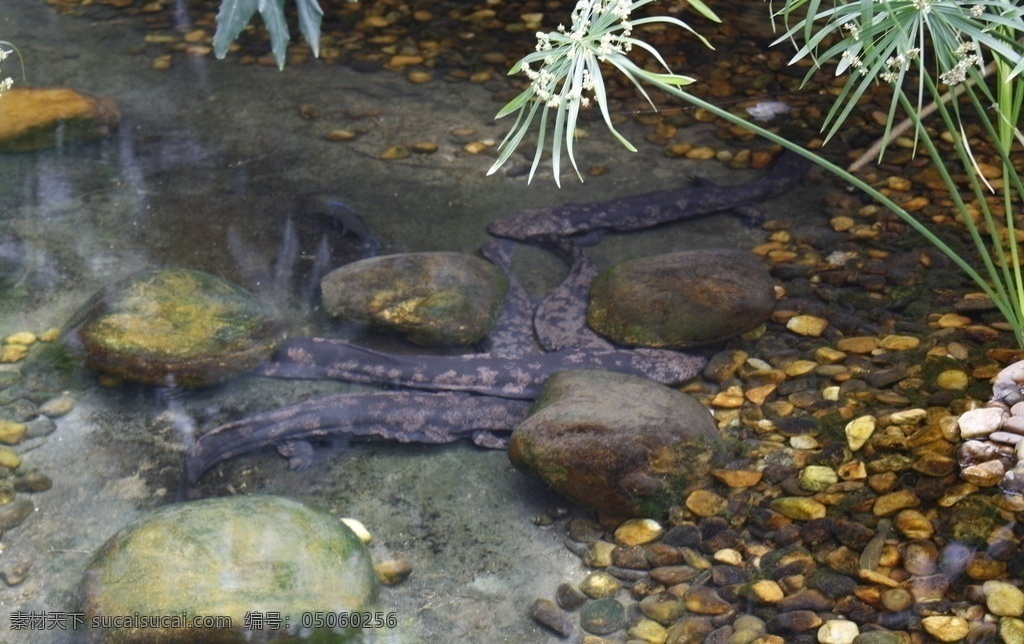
{"x":433,"y":299}
{"x":616,"y":443}
{"x":226,"y":557}
{"x":681,"y":300}
{"x":176,"y":326}
{"x":33,"y":119}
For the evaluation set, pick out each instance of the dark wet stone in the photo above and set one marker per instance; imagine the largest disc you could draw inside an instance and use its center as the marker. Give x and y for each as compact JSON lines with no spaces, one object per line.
{"x":15,"y":573}
{"x":545,"y":612}
{"x":878,"y":637}
{"x":856,"y":610}
{"x":645,"y":588}
{"x":681,"y":300}
{"x":632,"y":557}
{"x":616,"y":443}
{"x":173,"y":327}
{"x":778,"y":563}
{"x":664,"y":608}
{"x":832,"y":455}
{"x":602,"y":616}
{"x":723,"y":575}
{"x":686,"y":535}
{"x":704,"y":600}
{"x":711,"y":527}
{"x":831,"y":584}
{"x":721,"y":635}
{"x":806,"y":599}
{"x":628,"y":575}
{"x":569,"y":597}
{"x":672,"y":575}
{"x":921,"y":558}
{"x":797,"y":621}
{"x":13,"y":513}
{"x":723,"y":365}
{"x":881,"y":378}
{"x":41,"y":426}
{"x":32,"y":482}
{"x":798,"y":426}
{"x":585,"y":531}
{"x":787,"y":535}
{"x":853,"y":534}
{"x":971,"y":521}
{"x":985,"y":633}
{"x":1002,"y":550}
{"x":431,"y":299}
{"x":817,"y":530}
{"x":722,"y":540}
{"x":21,"y":410}
{"x":692,"y":628}
{"x":279,"y":553}
{"x":662,"y":554}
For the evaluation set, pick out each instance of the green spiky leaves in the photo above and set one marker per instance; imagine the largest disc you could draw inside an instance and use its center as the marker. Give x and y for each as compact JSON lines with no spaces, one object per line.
{"x":234,"y":15}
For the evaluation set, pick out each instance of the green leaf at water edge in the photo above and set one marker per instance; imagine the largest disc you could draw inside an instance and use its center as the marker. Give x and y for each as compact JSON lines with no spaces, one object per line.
{"x":272,"y":12}
{"x":310,"y":15}
{"x":232,"y":18}
{"x":235,"y":15}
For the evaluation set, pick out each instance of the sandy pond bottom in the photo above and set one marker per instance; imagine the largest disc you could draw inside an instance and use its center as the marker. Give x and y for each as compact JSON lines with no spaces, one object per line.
{"x":210,"y":165}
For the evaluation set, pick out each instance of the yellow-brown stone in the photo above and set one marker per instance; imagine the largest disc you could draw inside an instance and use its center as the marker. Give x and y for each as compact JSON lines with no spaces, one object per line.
{"x":11,"y":433}
{"x":33,"y":119}
{"x":9,"y":458}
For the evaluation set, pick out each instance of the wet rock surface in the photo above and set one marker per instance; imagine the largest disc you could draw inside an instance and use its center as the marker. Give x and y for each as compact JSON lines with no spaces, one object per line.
{"x":173,"y":327}
{"x":276,"y":551}
{"x":619,"y":444}
{"x":432,"y":299}
{"x":681,"y":300}
{"x":36,"y":118}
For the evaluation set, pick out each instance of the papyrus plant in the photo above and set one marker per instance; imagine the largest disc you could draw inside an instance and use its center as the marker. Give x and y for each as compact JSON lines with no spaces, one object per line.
{"x":965,"y":57}
{"x":917,"y":48}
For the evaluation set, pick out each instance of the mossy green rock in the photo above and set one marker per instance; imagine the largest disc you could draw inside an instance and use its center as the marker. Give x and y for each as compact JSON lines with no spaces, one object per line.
{"x":616,"y":443}
{"x":226,"y":557}
{"x":173,"y":327}
{"x":681,"y":300}
{"x":432,"y":299}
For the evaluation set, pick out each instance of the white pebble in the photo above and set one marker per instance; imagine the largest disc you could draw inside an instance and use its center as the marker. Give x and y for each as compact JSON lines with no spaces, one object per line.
{"x":728,"y":556}
{"x":357,"y":527}
{"x":858,"y":431}
{"x":979,"y":423}
{"x":838,"y":631}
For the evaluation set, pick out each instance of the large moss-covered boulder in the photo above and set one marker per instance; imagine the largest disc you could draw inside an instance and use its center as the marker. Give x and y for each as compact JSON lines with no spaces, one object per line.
{"x":227,"y":557}
{"x":432,"y":299}
{"x":616,"y":443}
{"x":173,"y":327}
{"x":680,"y":300}
{"x":32,"y":119}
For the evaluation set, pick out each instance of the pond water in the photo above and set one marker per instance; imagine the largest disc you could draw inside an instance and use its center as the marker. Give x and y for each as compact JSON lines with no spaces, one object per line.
{"x":215,"y":168}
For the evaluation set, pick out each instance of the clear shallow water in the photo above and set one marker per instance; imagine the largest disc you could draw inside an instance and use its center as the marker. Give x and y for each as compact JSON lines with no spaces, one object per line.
{"x":214,"y":169}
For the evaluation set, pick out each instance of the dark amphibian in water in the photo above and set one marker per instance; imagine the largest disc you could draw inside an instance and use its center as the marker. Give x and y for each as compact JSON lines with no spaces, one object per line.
{"x":482,"y":396}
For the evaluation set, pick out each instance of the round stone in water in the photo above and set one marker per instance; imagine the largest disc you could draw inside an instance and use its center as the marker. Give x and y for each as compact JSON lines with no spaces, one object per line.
{"x":173,"y":327}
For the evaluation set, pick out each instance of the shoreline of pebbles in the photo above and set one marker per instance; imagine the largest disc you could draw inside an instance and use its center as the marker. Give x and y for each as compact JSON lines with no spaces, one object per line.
{"x":992,"y":452}
{"x":32,"y":398}
{"x":844,"y":518}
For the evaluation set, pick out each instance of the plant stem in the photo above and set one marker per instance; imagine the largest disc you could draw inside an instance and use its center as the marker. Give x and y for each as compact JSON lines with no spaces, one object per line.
{"x":846,"y":176}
